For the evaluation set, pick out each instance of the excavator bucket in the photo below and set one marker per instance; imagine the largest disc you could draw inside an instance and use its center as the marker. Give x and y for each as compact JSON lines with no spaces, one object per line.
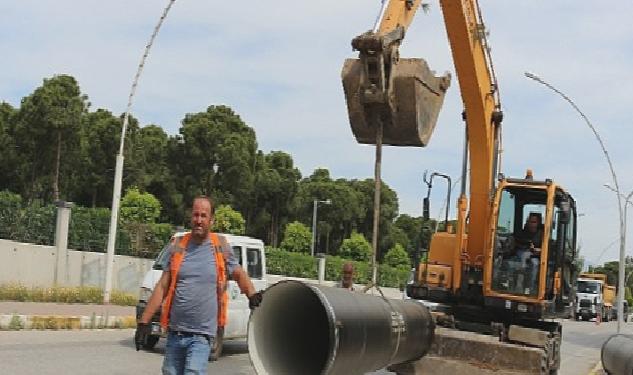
{"x":409,"y":111}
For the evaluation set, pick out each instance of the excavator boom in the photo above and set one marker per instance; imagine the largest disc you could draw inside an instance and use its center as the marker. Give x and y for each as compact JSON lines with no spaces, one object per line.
{"x":473,"y":271}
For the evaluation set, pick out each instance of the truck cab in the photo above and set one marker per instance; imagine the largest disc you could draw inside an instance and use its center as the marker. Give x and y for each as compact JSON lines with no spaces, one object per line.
{"x":251,"y":256}
{"x":593,"y":299}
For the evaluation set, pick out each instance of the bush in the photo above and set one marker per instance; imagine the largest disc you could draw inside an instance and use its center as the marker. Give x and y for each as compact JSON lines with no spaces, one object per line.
{"x":89,"y":229}
{"x":227,"y":220}
{"x":397,"y":257}
{"x":10,"y":206}
{"x":139,"y":207}
{"x":297,"y":238}
{"x":36,"y":224}
{"x":356,"y":247}
{"x":281,"y":262}
{"x":145,"y":240}
{"x":393,"y":277}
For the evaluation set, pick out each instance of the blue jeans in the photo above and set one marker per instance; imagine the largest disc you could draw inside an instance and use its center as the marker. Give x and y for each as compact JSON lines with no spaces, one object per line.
{"x":186,"y":355}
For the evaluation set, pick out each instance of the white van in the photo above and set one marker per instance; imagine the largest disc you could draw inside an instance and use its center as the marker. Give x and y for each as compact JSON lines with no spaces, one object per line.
{"x":250,"y":254}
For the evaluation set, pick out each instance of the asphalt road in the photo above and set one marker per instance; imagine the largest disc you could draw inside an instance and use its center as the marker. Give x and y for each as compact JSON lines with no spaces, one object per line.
{"x":112,"y":352}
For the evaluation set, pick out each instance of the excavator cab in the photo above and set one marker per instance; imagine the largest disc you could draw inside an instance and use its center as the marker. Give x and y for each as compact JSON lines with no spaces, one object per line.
{"x":531,"y":267}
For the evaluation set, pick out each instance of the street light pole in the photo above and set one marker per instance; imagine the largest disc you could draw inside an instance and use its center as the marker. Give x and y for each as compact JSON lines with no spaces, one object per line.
{"x":622,"y":266}
{"x":314,"y":221}
{"x":615,"y":182}
{"x":118,"y":171}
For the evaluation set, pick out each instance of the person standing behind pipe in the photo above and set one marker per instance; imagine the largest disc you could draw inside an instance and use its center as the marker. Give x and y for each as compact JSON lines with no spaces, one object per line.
{"x":192,"y":291}
{"x":347,"y":274}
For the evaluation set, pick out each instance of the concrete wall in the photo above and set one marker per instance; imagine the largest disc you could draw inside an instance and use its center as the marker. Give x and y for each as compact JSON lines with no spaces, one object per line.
{"x":34,"y":265}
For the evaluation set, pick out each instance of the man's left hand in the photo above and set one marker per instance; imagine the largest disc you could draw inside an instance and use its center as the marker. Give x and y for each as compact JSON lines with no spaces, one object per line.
{"x":143,"y":330}
{"x":255,"y":299}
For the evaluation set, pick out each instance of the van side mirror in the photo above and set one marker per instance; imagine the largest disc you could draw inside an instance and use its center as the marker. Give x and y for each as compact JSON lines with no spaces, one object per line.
{"x":564,"y":215}
{"x":426,"y":208}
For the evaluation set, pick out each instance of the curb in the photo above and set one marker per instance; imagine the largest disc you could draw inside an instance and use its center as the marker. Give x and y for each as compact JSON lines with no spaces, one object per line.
{"x":16,"y":322}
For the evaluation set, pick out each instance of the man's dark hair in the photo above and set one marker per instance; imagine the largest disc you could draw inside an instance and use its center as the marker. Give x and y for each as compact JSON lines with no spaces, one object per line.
{"x":537,"y":215}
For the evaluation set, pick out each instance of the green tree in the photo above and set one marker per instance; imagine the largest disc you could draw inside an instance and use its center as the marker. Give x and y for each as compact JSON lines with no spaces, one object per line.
{"x":10,"y":164}
{"x":297,"y":238}
{"x":276,"y":179}
{"x":154,"y":175}
{"x":338,"y":219}
{"x":99,"y":145}
{"x":47,"y":133}
{"x":388,"y":212}
{"x":227,"y":220}
{"x":137,"y":207}
{"x":214,"y":154}
{"x":397,"y":257}
{"x":356,"y":247}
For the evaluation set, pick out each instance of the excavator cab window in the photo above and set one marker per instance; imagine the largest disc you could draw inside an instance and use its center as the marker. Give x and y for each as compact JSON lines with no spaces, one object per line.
{"x":519,"y":240}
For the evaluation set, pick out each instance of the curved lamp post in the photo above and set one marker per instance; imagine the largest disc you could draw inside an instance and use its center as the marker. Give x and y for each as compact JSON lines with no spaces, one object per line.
{"x":118,"y":171}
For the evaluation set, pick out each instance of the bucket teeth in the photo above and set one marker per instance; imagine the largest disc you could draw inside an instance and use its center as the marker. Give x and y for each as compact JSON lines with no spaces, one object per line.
{"x":410,"y":107}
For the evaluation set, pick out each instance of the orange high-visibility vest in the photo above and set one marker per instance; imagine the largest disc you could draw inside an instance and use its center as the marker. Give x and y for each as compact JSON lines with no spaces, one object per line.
{"x":174,"y":267}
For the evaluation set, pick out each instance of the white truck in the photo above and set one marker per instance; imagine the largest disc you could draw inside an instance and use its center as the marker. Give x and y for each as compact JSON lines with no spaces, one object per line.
{"x":251,"y":256}
{"x":594,"y":297}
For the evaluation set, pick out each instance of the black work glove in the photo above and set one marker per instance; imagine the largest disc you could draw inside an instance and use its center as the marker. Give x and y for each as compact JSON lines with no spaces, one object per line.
{"x":143,"y":330}
{"x":255,"y":299}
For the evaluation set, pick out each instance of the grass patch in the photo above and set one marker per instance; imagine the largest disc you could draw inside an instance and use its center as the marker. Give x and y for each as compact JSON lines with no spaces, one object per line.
{"x":84,"y":294}
{"x":16,"y":323}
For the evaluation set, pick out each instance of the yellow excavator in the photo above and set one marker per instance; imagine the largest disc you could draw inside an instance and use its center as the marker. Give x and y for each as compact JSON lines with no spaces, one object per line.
{"x":507,"y":269}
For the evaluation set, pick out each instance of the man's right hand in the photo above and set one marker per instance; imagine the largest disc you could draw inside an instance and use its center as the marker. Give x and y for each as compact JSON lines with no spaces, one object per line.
{"x":143,"y":330}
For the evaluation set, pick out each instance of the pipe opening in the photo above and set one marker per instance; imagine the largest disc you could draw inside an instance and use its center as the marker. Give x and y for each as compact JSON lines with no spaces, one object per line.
{"x":290,"y":332}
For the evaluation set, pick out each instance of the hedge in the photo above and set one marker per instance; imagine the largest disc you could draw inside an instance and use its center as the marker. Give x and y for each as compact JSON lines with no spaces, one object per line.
{"x":89,"y":227}
{"x":280,"y":262}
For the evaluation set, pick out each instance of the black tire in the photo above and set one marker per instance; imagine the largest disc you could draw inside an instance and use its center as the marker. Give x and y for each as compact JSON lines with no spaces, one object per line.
{"x":150,"y":343}
{"x":218,"y":344}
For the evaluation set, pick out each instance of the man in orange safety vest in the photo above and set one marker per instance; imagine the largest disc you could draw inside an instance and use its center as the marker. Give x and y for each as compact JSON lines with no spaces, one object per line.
{"x":192,"y":292}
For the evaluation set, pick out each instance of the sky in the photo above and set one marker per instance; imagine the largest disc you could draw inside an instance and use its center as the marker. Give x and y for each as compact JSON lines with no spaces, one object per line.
{"x":277,"y":64}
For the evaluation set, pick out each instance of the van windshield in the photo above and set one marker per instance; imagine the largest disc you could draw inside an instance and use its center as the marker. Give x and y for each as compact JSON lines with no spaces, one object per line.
{"x":162,"y":257}
{"x":588,"y":287}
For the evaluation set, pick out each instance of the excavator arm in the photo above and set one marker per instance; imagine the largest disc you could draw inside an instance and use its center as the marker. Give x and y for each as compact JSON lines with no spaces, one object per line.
{"x":479,"y":92}
{"x":396,"y":101}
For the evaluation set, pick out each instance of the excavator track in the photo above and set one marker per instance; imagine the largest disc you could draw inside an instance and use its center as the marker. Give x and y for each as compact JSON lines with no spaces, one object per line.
{"x":470,"y":353}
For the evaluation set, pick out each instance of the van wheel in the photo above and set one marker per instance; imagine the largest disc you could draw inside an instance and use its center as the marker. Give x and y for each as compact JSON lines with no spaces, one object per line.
{"x":150,"y":342}
{"x":218,"y":343}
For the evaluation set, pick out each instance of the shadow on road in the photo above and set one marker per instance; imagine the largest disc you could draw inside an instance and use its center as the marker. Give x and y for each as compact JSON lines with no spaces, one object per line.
{"x":234,"y":347}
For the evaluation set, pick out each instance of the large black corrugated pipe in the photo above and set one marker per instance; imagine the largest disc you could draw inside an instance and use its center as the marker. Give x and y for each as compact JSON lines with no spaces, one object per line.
{"x":617,"y":355}
{"x":317,"y":330}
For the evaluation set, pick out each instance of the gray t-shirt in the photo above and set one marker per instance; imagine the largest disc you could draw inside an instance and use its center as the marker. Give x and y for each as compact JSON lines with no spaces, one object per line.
{"x":195,"y":307}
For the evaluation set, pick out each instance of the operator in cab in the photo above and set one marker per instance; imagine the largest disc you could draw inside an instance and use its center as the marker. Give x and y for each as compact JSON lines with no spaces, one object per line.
{"x":528,"y":244}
